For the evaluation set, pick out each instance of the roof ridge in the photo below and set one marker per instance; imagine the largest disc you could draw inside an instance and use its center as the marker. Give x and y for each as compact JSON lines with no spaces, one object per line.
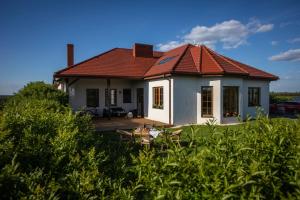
{"x":180,"y":57}
{"x":231,"y":62}
{"x":214,"y":60}
{"x":194,"y":52}
{"x":200,"y":63}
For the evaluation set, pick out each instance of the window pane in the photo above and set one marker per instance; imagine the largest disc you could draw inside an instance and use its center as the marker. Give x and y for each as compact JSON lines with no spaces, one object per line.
{"x":126,"y":95}
{"x":113,"y":97}
{"x":230,"y":101}
{"x":92,"y":97}
{"x":253,"y":96}
{"x":206,"y":98}
{"x":157,"y":93}
{"x":161,"y":103}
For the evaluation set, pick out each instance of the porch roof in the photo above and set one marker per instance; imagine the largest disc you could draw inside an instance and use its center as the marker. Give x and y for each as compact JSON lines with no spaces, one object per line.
{"x":116,"y":63}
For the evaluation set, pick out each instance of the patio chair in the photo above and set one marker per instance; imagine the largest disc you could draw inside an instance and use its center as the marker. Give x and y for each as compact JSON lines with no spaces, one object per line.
{"x":141,"y":132}
{"x":125,"y":135}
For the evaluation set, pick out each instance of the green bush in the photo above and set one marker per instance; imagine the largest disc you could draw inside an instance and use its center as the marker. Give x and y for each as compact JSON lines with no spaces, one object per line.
{"x":48,"y":152}
{"x":258,"y":161}
{"x":39,"y":91}
{"x":277,"y":98}
{"x":42,"y":143}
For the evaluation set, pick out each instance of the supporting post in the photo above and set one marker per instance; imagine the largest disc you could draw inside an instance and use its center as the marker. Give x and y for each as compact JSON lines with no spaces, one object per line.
{"x":67,"y":86}
{"x":108,"y":98}
{"x":170,"y":102}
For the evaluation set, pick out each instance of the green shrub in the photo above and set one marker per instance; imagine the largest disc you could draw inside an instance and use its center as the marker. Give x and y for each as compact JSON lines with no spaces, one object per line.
{"x":39,"y":91}
{"x":41,"y":144}
{"x":48,"y":152}
{"x":276,"y":98}
{"x":259,"y":160}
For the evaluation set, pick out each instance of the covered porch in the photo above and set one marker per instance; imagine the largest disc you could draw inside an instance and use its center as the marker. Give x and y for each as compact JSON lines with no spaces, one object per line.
{"x":102,"y":94}
{"x":104,"y":124}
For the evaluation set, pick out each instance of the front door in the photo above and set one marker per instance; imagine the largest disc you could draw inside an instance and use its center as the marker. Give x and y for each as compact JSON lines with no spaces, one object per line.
{"x":140,"y":102}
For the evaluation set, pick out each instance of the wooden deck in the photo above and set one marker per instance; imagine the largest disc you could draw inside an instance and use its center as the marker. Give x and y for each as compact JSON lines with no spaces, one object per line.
{"x":104,"y":124}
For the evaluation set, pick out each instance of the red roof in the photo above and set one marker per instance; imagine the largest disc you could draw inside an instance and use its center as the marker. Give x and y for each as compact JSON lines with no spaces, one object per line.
{"x":186,"y":59}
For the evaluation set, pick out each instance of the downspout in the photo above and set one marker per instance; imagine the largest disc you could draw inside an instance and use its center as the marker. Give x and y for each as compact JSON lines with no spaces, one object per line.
{"x":170,"y":101}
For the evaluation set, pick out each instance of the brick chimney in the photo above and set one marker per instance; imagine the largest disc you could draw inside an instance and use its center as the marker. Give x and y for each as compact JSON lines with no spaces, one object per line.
{"x":70,"y":55}
{"x":142,"y":50}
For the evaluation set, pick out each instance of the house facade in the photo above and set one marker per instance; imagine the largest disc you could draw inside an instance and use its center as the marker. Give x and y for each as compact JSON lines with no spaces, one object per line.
{"x":186,"y":85}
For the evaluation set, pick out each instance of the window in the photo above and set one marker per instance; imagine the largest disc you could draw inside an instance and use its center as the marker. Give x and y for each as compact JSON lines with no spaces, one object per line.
{"x":158,"y":97}
{"x":92,"y":97}
{"x":165,"y":60}
{"x":253,"y":96}
{"x":112,"y":96}
{"x":206,"y":99}
{"x":230,"y":101}
{"x":126,"y":95}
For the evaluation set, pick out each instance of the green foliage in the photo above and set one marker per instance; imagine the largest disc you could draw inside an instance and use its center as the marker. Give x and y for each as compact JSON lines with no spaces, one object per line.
{"x":39,"y":91}
{"x":41,"y":142}
{"x":292,"y":94}
{"x":278,"y":98}
{"x":258,"y":160}
{"x":48,"y":152}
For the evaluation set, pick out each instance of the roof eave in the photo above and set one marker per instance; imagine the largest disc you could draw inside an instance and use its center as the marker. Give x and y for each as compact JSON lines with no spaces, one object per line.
{"x":96,"y":76}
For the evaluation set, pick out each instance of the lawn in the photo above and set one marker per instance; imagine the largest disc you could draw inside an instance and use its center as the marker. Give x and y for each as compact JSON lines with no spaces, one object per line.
{"x":199,"y":130}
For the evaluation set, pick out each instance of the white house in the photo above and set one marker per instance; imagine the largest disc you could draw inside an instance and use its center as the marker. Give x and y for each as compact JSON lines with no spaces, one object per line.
{"x":188,"y":84}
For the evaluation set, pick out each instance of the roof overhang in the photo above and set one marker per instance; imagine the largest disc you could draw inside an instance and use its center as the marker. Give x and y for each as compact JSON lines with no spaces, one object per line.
{"x":96,"y":76}
{"x":222,"y":74}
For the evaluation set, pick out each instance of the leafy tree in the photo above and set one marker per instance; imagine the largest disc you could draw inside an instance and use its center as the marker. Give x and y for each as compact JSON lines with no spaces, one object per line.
{"x":40,"y":91}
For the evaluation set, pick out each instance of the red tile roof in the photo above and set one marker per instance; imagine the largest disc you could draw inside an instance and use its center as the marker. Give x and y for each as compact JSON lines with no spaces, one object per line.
{"x":186,"y":59}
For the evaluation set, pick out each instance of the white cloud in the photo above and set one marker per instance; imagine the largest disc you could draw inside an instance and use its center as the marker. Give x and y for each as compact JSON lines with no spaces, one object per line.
{"x":169,"y":45}
{"x":290,"y":55}
{"x":294,"y":40}
{"x":231,"y":34}
{"x":274,"y":43}
{"x":255,"y":26}
{"x":265,"y":28}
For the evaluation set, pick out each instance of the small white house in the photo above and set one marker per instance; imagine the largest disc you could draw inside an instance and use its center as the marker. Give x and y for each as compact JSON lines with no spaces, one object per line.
{"x":186,"y":85}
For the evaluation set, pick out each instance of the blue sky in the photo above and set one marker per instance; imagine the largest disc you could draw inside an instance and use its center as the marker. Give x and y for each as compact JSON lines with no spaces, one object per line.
{"x":34,"y":34}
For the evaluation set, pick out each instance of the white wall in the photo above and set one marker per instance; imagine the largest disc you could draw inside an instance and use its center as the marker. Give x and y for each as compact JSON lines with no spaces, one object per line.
{"x":187,"y":99}
{"x":156,"y":114}
{"x":77,"y":92}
